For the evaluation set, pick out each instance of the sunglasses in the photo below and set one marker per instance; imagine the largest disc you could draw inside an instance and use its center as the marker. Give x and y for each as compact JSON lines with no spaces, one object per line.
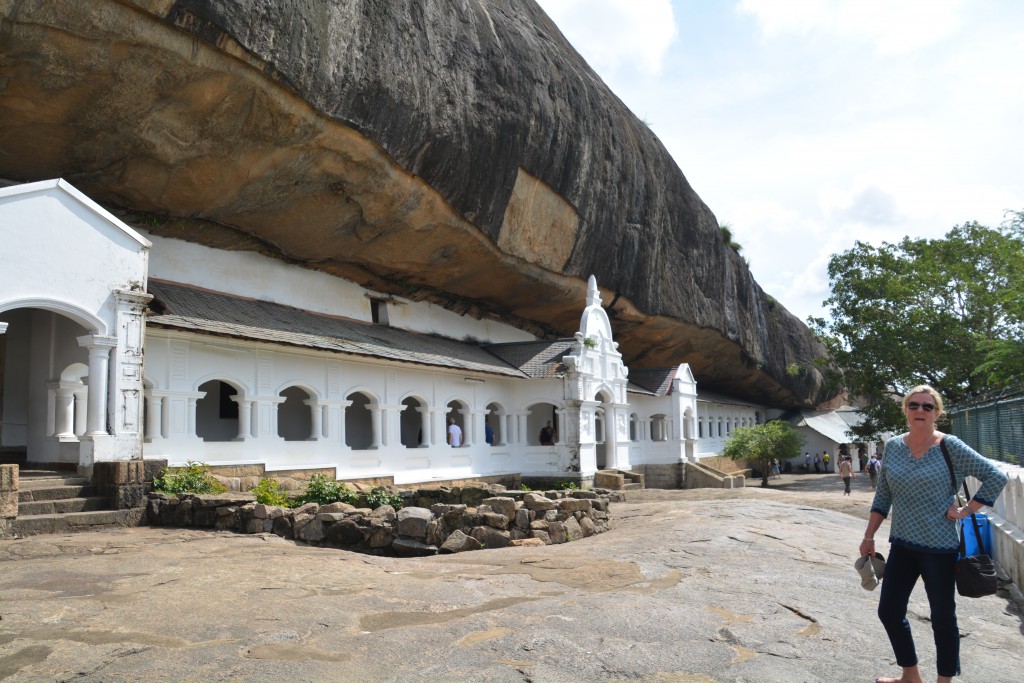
{"x":927,"y":407}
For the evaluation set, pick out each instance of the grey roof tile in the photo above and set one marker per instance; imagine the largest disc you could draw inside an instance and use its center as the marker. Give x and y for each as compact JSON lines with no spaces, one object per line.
{"x":538,"y":359}
{"x":188,"y":308}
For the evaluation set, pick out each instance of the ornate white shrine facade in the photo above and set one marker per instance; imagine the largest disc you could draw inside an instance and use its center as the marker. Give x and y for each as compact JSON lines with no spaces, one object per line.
{"x":116,"y":344}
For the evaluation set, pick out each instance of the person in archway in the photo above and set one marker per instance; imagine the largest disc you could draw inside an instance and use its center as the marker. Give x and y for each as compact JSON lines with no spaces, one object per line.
{"x":488,"y":434}
{"x":454,"y":433}
{"x":547,"y":435}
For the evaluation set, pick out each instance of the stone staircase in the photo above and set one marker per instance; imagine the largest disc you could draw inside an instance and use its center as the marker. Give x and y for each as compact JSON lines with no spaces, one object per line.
{"x":56,"y":502}
{"x":619,"y":480}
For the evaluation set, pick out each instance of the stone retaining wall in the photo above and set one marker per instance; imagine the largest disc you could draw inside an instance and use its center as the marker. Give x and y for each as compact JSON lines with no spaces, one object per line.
{"x":664,"y":476}
{"x":430,"y":521}
{"x":8,"y":497}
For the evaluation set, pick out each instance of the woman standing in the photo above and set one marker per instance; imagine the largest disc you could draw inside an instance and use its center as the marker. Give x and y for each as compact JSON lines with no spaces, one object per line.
{"x":846,"y":473}
{"x":923,"y":539}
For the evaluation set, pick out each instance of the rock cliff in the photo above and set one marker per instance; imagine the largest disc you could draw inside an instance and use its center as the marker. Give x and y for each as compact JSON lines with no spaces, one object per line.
{"x":460,"y":152}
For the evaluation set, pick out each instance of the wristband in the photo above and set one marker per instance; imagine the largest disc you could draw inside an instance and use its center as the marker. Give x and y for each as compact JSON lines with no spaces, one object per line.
{"x":871,"y":540}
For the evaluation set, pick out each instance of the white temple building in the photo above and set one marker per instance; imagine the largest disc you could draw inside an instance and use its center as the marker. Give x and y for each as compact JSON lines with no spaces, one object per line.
{"x":117,"y":345}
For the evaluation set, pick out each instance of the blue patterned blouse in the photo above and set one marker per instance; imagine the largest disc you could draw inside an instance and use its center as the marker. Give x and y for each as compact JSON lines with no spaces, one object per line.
{"x":919,"y":492}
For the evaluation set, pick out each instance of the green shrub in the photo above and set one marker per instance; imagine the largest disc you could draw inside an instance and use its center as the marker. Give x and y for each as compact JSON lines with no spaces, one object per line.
{"x":379,"y":495}
{"x":324,"y":490}
{"x":566,"y":485}
{"x":194,"y":477}
{"x":269,"y":492}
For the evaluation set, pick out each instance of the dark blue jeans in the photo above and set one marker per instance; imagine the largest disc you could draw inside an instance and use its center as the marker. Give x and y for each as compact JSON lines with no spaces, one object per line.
{"x":902,"y":570}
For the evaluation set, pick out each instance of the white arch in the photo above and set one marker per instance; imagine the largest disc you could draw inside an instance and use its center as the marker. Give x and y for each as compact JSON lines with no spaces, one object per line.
{"x":311,"y":392}
{"x":74,"y":372}
{"x":86,"y":319}
{"x":416,"y":394}
{"x":365,"y":391}
{"x":236,"y":384}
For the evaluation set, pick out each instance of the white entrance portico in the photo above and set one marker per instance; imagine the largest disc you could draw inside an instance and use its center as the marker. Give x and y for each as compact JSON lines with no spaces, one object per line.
{"x":72,"y":300}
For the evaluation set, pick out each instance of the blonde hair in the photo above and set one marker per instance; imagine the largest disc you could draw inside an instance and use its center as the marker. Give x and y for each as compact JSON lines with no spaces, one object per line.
{"x":924,"y":389}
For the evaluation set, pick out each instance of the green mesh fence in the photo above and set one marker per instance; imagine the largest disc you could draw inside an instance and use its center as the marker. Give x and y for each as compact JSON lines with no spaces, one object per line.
{"x":993,"y":428}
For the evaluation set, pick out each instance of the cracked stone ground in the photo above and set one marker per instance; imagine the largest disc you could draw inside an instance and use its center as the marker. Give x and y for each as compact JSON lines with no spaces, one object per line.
{"x":706,"y":585}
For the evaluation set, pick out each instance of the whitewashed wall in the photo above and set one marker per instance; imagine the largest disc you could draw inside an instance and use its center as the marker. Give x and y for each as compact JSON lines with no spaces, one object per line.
{"x":79,"y":273}
{"x":716,"y":422}
{"x":256,"y":276}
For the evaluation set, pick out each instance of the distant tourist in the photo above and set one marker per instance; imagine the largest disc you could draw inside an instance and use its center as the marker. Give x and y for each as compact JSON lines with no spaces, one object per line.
{"x":923,"y":542}
{"x":817,"y":464}
{"x":846,"y":474}
{"x":824,"y":460}
{"x":488,"y":434}
{"x":454,"y":433}
{"x":547,"y":435}
{"x":807,"y":461}
{"x":873,"y":466}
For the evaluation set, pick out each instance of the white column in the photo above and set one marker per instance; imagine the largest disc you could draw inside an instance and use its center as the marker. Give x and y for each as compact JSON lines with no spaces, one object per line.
{"x":425,"y":426}
{"x":64,"y":411}
{"x":377,"y":413}
{"x":99,"y":371}
{"x":154,"y":416}
{"x":192,"y":414}
{"x":500,"y":435}
{"x":316,"y":413}
{"x":244,"y":418}
{"x":80,"y":410}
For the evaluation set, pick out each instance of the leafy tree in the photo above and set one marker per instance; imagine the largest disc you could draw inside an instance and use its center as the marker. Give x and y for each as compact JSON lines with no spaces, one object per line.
{"x":761,"y":443}
{"x":947,"y":312}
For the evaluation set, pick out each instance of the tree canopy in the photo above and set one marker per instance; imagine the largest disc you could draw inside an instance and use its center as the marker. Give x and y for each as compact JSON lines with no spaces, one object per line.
{"x":946,"y":312}
{"x":763,"y":443}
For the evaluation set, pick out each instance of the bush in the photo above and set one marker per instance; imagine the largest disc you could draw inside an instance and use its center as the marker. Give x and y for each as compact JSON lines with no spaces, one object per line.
{"x":269,"y":492}
{"x":324,"y":490}
{"x":379,"y":495}
{"x":194,"y":477}
{"x":566,"y":486}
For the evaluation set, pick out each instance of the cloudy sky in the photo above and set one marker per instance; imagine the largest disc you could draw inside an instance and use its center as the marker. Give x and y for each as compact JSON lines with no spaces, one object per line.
{"x":809,"y":124}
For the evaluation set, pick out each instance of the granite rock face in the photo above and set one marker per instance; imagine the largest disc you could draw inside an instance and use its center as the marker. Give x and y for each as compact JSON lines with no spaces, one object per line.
{"x":461,"y":153}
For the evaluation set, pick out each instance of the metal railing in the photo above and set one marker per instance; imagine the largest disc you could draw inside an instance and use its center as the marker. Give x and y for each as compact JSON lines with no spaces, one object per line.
{"x":993,"y":427}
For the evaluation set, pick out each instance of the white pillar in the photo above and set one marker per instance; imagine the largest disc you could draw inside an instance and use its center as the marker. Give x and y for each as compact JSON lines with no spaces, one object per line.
{"x":316,"y":413}
{"x":80,"y":410}
{"x":64,"y":411}
{"x":500,"y":424}
{"x":192,"y":414}
{"x":99,"y":371}
{"x":154,"y":416}
{"x":522,"y":419}
{"x":425,"y":426}
{"x":377,"y":422}
{"x":244,"y":418}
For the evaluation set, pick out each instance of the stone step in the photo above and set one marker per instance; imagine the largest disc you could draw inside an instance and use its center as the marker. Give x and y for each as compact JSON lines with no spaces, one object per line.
{"x":71,"y":522}
{"x":632,"y":486}
{"x":33,"y":494}
{"x":62,"y":506}
{"x":34,"y":480}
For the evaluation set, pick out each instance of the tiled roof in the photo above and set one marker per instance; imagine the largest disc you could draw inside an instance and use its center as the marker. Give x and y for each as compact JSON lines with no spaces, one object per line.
{"x":187,"y":308}
{"x":653,"y":381}
{"x":537,"y":359}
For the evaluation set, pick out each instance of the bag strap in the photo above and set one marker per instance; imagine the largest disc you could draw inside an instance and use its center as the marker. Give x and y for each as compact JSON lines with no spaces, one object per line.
{"x":967,"y":494}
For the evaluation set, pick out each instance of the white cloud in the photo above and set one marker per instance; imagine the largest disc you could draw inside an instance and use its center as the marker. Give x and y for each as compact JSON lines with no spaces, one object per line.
{"x":810,"y":125}
{"x":892,"y":26}
{"x":615,"y":35}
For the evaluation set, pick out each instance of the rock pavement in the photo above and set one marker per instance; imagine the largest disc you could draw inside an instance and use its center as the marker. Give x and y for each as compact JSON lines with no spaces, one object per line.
{"x":705,"y":585}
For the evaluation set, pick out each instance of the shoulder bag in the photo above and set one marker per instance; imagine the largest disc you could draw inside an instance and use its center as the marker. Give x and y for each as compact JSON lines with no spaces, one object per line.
{"x":975,"y":575}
